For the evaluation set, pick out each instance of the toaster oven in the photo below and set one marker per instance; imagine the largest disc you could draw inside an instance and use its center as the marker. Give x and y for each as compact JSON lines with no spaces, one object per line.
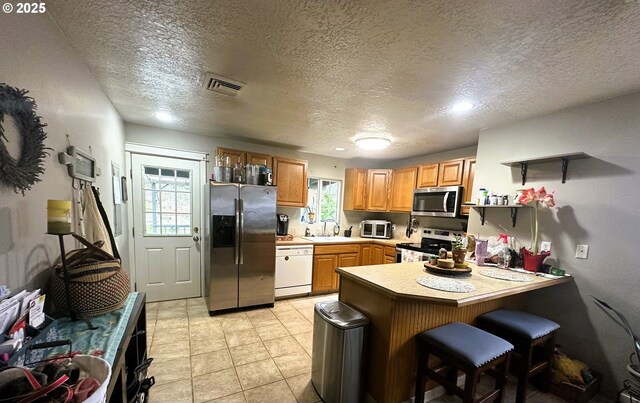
{"x":375,"y":229}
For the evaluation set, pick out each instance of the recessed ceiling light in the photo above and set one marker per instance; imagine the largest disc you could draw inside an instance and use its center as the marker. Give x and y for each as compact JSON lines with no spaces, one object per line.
{"x":373,"y":142}
{"x":340,"y":148}
{"x":164,"y":116}
{"x":462,"y":106}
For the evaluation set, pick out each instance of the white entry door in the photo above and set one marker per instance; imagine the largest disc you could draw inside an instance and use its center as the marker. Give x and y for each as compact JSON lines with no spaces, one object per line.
{"x":166,"y":210}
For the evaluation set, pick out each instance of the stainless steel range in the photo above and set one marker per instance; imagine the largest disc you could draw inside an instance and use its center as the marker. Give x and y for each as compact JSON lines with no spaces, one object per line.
{"x":432,"y":240}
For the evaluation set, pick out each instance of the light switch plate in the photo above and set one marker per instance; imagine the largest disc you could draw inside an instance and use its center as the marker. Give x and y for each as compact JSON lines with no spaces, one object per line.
{"x":582,"y":251}
{"x":545,"y":246}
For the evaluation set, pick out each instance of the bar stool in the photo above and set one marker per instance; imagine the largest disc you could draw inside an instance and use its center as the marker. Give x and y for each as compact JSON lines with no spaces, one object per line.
{"x":525,"y":331}
{"x":465,"y":348}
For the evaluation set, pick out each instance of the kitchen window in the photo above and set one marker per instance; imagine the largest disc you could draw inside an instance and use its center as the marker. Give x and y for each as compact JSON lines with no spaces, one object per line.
{"x":323,"y":200}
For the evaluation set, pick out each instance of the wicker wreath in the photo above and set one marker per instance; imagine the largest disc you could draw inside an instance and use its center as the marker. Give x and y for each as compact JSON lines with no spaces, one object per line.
{"x":24,"y":172}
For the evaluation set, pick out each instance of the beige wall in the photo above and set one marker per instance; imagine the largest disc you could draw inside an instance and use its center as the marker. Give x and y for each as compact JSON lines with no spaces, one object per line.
{"x":36,"y":57}
{"x":597,"y":206}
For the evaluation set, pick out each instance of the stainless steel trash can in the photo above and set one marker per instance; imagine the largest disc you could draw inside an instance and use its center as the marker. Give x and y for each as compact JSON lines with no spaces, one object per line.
{"x":338,"y":345}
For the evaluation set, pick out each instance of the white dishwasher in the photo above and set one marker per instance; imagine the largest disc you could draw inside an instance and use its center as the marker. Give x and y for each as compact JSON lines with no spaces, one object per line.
{"x":294,"y":267}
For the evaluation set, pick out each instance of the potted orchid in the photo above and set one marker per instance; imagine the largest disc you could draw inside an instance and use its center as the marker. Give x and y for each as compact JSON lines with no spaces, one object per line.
{"x":532,"y":260}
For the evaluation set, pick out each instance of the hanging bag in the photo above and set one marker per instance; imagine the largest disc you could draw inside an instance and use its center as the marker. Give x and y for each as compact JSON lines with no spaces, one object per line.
{"x":97,"y":283}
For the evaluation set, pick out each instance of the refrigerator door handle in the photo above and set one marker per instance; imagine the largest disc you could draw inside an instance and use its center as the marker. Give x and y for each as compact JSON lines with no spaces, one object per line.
{"x":236,"y":249}
{"x":241,"y":231}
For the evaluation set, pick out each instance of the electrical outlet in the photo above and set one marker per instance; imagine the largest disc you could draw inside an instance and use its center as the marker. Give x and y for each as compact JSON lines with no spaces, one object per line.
{"x":582,"y":251}
{"x":545,"y":246}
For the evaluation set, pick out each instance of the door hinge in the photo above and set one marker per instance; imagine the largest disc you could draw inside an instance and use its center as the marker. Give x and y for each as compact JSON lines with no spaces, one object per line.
{"x":135,"y":286}
{"x":133,"y":231}
{"x":131,"y":174}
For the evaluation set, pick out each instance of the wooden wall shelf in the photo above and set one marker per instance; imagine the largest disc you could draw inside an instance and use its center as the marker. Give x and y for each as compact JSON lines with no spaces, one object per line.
{"x":564,"y":158}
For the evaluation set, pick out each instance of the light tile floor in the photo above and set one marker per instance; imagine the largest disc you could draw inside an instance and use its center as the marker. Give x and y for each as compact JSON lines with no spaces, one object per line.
{"x":261,"y":355}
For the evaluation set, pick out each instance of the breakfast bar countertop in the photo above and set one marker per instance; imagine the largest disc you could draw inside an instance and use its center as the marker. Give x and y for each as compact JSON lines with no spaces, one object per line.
{"x":399,"y":309}
{"x":399,"y":280}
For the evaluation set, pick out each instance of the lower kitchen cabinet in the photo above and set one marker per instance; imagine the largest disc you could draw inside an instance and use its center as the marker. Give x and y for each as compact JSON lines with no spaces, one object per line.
{"x":389,"y":254}
{"x":365,"y":254}
{"x":377,"y":254}
{"x":326,"y":258}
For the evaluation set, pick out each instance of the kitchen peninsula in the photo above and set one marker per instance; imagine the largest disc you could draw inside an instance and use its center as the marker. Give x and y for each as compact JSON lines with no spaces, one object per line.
{"x":399,"y":308}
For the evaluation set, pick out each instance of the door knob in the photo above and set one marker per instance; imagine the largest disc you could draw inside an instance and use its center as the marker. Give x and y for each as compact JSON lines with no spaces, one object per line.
{"x":196,"y":229}
{"x":196,"y":238}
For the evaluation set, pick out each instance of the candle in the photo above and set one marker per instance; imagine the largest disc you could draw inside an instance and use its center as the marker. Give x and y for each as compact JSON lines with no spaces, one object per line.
{"x":58,"y":216}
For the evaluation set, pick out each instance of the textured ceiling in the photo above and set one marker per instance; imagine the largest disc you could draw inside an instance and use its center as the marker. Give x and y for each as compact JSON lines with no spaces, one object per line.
{"x":318,"y":73}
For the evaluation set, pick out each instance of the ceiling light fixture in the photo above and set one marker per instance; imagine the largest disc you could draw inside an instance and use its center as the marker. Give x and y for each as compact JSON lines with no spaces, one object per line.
{"x":164,"y":116}
{"x":462,"y":106}
{"x":373,"y":142}
{"x":340,"y":148}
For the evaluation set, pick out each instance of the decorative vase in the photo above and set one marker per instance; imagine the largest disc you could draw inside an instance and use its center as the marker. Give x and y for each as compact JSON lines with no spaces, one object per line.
{"x":531,"y":262}
{"x":458,"y":255}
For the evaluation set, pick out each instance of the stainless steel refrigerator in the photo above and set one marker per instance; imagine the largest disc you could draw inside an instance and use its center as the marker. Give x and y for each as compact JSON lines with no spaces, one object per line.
{"x":241,"y":263}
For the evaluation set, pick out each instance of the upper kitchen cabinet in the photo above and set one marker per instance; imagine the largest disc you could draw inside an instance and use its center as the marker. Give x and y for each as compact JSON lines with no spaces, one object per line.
{"x":355,"y":189}
{"x":467,"y":182}
{"x":403,"y":181}
{"x":235,"y":156}
{"x":259,"y":159}
{"x":378,"y":181}
{"x":245,"y":157}
{"x":451,"y":173}
{"x":428,"y":175}
{"x":290,"y":175}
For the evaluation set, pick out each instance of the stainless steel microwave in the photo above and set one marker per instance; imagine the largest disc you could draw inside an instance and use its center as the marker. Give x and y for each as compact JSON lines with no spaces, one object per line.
{"x":375,"y":229}
{"x":437,"y":202}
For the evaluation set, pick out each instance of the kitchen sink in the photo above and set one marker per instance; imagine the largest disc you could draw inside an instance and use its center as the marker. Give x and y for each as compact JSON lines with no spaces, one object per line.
{"x":327,"y":238}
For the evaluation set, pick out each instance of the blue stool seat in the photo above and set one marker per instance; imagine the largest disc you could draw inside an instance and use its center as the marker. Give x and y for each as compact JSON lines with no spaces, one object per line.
{"x":527,"y":332}
{"x":460,"y":347}
{"x":522,"y":323}
{"x":467,"y":343}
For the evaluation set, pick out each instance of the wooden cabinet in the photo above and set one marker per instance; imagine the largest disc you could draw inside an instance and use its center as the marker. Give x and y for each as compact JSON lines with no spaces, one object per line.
{"x":355,"y":189}
{"x":378,"y":189}
{"x":259,"y":159}
{"x":389,"y":254}
{"x":377,"y":254}
{"x":324,"y":272}
{"x":365,"y":254}
{"x":428,"y":175}
{"x":403,"y":181}
{"x":290,"y":175}
{"x":235,"y":156}
{"x":245,"y":157}
{"x":467,"y":182}
{"x":451,"y":172}
{"x":326,"y":258}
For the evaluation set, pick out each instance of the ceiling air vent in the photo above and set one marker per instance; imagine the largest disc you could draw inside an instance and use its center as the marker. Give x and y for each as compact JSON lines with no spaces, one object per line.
{"x":222,"y":85}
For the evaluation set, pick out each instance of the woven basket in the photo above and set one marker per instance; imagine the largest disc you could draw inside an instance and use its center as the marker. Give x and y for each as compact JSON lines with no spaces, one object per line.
{"x":97,"y":283}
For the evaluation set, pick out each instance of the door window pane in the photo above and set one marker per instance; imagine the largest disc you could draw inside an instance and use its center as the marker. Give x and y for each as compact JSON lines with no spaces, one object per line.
{"x":168,"y":202}
{"x":183,"y":203}
{"x":167,"y":192}
{"x":152,"y":223}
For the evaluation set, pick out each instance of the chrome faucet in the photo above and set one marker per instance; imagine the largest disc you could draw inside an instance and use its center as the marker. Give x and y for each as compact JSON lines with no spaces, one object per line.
{"x":324,"y":230}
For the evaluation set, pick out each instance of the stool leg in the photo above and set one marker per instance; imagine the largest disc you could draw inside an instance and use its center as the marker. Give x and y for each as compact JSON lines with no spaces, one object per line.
{"x":523,"y":372}
{"x":452,"y":376}
{"x":548,"y":356}
{"x":423,"y":362}
{"x":470,"y":384}
{"x":502,"y":372}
